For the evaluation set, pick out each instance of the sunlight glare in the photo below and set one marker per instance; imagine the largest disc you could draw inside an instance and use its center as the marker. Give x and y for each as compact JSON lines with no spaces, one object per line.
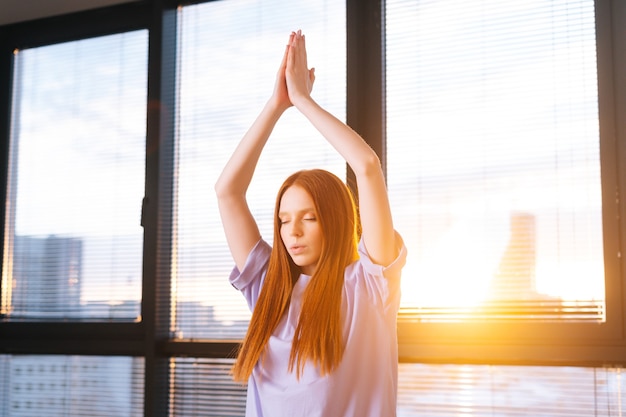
{"x":457,"y":269}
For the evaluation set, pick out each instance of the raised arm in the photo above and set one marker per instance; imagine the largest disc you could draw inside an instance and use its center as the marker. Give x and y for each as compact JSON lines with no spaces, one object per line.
{"x":241,"y":230}
{"x":376,"y":221}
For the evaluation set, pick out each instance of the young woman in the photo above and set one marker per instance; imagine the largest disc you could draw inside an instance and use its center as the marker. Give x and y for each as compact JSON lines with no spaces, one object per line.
{"x":324,"y":299}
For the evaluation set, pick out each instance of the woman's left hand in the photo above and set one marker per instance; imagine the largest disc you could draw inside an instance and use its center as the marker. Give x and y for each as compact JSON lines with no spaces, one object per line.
{"x":300,"y":78}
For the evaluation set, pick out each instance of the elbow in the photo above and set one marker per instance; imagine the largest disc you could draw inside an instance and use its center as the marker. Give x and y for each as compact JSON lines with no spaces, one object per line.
{"x":226,"y":193}
{"x":222,"y":190}
{"x":368,"y":166}
{"x":219,"y":189}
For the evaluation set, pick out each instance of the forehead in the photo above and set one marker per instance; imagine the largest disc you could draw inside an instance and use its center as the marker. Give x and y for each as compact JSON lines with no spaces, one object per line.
{"x":295,"y":198}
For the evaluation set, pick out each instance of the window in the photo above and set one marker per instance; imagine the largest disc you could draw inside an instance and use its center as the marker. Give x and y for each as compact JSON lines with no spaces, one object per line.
{"x":494,"y":157}
{"x":204,"y":387}
{"x":230,"y":53}
{"x":524,"y":391}
{"x":146,"y":100}
{"x":73,"y":239}
{"x":70,"y":385}
{"x":495,"y":171}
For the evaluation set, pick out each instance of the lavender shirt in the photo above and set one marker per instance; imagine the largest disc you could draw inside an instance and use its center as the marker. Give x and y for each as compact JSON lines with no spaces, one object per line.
{"x":365,"y":383}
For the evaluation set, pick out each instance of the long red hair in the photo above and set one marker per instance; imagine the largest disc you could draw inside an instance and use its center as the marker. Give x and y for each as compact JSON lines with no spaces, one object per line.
{"x":318,"y":336}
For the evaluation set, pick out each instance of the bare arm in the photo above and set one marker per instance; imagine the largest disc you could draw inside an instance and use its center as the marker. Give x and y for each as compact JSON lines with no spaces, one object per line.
{"x":376,"y":220}
{"x":241,"y":230}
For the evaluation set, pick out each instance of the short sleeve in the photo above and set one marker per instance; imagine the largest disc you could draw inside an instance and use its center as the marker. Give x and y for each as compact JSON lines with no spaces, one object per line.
{"x":249,"y":280}
{"x":391,"y":271}
{"x":380,"y":284}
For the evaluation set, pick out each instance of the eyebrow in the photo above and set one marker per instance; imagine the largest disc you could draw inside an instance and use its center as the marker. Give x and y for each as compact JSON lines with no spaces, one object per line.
{"x":306,"y":210}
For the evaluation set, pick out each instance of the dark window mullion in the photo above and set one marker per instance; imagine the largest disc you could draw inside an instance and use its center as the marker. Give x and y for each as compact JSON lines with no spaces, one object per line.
{"x":610,"y":18}
{"x":157,"y":213}
{"x":81,"y":25}
{"x":364,"y":72}
{"x":32,"y":338}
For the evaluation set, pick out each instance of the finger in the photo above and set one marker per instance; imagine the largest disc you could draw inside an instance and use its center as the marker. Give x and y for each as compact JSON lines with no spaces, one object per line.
{"x":301,"y":49}
{"x":286,"y":54}
{"x":294,"y":38}
{"x":290,"y":41}
{"x":283,"y":63}
{"x":291,"y":52}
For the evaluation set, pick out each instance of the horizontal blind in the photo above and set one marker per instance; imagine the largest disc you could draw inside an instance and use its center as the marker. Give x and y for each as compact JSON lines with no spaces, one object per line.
{"x":230,"y":52}
{"x":510,"y":391}
{"x":71,"y":386}
{"x":205,"y":388}
{"x":493,"y":158}
{"x":73,"y":240}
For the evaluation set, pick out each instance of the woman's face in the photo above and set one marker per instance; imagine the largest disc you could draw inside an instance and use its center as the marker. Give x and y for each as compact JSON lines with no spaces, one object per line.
{"x":300,"y":229}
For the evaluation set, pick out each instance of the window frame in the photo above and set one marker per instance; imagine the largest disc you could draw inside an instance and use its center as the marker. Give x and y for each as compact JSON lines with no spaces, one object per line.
{"x":571,"y":344}
{"x":566,"y":343}
{"x":141,"y":339}
{"x":39,"y":337}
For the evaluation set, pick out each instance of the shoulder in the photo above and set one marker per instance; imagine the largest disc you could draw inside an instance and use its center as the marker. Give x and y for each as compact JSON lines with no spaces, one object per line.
{"x":379,"y":283}
{"x":390,"y":272}
{"x":255,"y":265}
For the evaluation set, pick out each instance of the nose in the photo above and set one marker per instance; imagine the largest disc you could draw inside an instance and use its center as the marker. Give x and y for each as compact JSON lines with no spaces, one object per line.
{"x":295,"y":229}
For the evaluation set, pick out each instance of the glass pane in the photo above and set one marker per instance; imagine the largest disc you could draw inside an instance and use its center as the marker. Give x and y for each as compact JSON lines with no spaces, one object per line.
{"x":70,"y":386}
{"x":493,"y":158}
{"x":73,"y":240}
{"x":509,"y":391}
{"x":204,"y":388}
{"x":230,"y":53}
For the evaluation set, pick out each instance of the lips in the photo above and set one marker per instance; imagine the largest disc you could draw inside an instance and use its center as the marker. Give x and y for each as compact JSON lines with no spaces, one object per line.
{"x":296,"y":249}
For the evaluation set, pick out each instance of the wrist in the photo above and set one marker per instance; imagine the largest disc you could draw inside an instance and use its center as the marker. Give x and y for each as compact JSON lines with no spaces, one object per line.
{"x":301,"y":101}
{"x":277,"y":106}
